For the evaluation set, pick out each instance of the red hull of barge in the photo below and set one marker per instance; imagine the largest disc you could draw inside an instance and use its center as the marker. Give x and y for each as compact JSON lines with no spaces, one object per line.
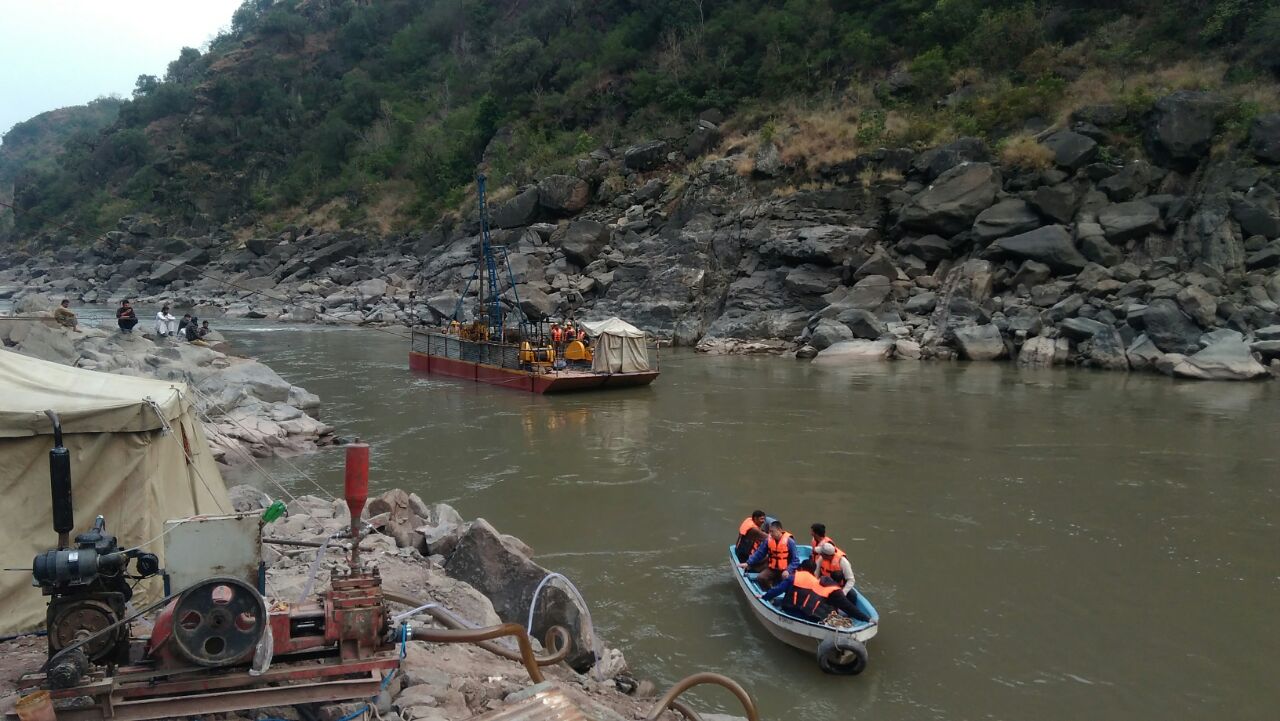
{"x":550,"y":382}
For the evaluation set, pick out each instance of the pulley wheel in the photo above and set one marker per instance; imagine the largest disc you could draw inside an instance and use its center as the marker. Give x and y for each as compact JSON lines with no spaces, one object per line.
{"x":75,"y":620}
{"x":218,"y":622}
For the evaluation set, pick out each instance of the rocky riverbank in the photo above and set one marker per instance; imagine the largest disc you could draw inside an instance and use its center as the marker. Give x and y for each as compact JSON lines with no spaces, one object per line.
{"x":1124,"y":238}
{"x":428,"y":552}
{"x":249,"y":410}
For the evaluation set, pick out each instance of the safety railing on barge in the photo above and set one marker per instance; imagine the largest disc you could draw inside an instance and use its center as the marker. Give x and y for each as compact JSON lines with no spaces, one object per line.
{"x":441,"y":345}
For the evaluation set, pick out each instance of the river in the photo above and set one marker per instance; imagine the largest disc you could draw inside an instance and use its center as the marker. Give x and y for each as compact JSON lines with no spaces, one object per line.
{"x":1041,"y":545}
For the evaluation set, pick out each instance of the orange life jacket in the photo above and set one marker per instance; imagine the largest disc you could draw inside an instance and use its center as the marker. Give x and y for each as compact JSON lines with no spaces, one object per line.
{"x":557,"y":335}
{"x":824,"y":539}
{"x":778,"y":553}
{"x":582,"y":335}
{"x":744,"y":529}
{"x":808,"y":594}
{"x":830,"y":566}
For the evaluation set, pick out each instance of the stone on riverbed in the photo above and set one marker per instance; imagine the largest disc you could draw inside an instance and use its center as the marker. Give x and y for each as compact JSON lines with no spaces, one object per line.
{"x":1226,"y":360}
{"x":853,"y":351}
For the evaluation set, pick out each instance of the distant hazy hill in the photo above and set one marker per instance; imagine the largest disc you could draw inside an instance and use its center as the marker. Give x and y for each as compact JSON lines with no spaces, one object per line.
{"x":380,"y":111}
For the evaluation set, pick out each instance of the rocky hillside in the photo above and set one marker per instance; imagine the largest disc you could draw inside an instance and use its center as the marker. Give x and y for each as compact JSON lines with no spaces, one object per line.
{"x":1058,"y":252}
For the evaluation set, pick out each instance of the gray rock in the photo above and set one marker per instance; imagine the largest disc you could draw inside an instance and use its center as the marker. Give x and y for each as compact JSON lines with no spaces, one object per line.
{"x":183,"y":265}
{"x":645,"y":156}
{"x":1050,"y":245}
{"x":1100,"y":250}
{"x":862,"y":323}
{"x":1056,"y":202}
{"x":1271,"y":332}
{"x":1258,"y":212}
{"x":1180,"y":128}
{"x":929,"y":248}
{"x":808,"y":352}
{"x":1071,"y":150}
{"x":1131,"y":182}
{"x":1038,"y":352}
{"x":878,"y":264}
{"x":1225,"y":360}
{"x":1169,"y":328}
{"x":936,"y":161}
{"x":922,"y":304}
{"x":1143,"y":354}
{"x":811,"y":280}
{"x":1200,"y":305}
{"x":1268,"y":257}
{"x":260,"y":380}
{"x":563,"y":194}
{"x":1268,"y":349}
{"x":499,"y":569}
{"x":1105,"y":349}
{"x":818,"y":244}
{"x":827,"y":332}
{"x":517,"y":212}
{"x":768,"y":161}
{"x":535,"y":303}
{"x":1008,"y":217}
{"x":1081,"y":329}
{"x":867,"y":293}
{"x":1264,"y":137}
{"x":1030,"y":274}
{"x":1125,"y":221}
{"x":852,"y":351}
{"x":980,"y":342}
{"x":583,"y":240}
{"x":908,"y":349}
{"x":954,"y":200}
{"x":245,"y":499}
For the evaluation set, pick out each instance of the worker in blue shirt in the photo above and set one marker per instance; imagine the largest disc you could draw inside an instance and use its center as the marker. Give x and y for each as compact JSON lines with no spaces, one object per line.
{"x":780,"y":549}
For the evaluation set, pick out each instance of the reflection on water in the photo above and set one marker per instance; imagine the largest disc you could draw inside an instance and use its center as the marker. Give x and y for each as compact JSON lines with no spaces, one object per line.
{"x":1041,"y":544}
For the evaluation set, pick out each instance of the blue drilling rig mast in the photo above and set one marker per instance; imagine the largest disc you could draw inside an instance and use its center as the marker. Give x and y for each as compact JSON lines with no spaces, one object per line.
{"x":490,"y":314}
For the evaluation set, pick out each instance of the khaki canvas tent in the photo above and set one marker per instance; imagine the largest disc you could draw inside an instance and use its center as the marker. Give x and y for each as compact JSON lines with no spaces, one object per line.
{"x":138,"y":457}
{"x":618,"y":346}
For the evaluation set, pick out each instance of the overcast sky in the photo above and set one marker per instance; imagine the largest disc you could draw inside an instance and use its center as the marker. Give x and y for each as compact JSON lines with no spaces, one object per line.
{"x":55,"y":53}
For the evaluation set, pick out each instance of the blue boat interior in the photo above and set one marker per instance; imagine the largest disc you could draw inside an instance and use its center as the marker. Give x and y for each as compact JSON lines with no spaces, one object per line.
{"x":804,"y":551}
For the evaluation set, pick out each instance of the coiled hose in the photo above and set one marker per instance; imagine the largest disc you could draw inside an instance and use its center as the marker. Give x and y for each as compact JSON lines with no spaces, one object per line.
{"x":668,"y":699}
{"x":558,"y":637}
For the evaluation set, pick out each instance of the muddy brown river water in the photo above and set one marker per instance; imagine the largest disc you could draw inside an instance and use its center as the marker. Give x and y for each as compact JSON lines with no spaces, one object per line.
{"x":1048,"y":545}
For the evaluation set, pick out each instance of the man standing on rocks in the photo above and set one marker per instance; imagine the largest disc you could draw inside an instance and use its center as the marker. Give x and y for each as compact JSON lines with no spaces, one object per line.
{"x":65,"y":316}
{"x":126,"y":318}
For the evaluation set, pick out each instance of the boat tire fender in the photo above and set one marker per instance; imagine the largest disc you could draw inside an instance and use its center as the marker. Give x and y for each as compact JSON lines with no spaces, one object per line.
{"x":842,"y":656}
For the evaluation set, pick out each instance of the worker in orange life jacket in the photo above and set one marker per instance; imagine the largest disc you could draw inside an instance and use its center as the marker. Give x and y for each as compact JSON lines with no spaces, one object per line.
{"x":779,"y":549}
{"x":804,"y":595}
{"x":557,"y":334}
{"x":750,"y":535}
{"x":818,"y":532}
{"x":834,"y":568}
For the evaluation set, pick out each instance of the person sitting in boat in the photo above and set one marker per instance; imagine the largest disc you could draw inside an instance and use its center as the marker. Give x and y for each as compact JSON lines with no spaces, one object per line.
{"x":834,"y":568}
{"x":804,"y":595}
{"x":750,"y":534}
{"x":780,"y":551}
{"x":818,"y":532}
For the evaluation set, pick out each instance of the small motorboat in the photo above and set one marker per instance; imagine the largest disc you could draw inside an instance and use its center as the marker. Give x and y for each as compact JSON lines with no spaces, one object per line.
{"x":839,"y":650}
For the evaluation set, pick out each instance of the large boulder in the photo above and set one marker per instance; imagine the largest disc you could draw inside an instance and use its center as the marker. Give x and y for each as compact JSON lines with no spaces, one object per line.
{"x":1199,"y":304}
{"x":518,"y":212}
{"x":817,"y":244}
{"x":980,"y":342}
{"x":183,"y":265}
{"x":1071,"y":150}
{"x":1169,"y":328}
{"x":950,"y":205}
{"x":862,"y":323}
{"x":852,"y":351}
{"x":827,"y":332}
{"x":583,"y":241}
{"x":645,"y":156}
{"x":1008,"y":217}
{"x":563,"y":194}
{"x":1180,"y":128}
{"x":929,"y":248}
{"x":258,"y":379}
{"x":1226,"y":360}
{"x":1264,"y":137}
{"x":498,"y":567}
{"x":535,"y":303}
{"x":1125,"y":221}
{"x":1258,"y":212}
{"x":1051,"y":245}
{"x":811,"y":280}
{"x":1056,"y":202}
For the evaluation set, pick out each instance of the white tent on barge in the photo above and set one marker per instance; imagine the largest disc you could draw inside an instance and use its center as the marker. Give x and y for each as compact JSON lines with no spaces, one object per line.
{"x":617,"y":346}
{"x":139,"y":457}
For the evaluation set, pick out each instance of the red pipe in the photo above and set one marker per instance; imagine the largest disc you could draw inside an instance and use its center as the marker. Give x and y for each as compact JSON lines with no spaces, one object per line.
{"x":356,"y":493}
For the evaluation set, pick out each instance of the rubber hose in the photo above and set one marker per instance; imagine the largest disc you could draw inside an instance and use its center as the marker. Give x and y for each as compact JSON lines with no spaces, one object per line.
{"x":668,"y":699}
{"x":557,"y":636}
{"x":681,"y":708}
{"x":486,"y":634}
